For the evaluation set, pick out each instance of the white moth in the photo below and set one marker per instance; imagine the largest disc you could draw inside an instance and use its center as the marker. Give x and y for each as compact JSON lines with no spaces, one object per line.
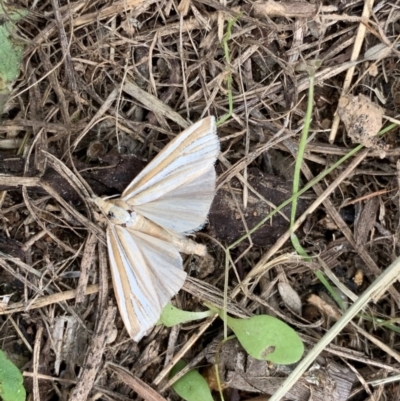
{"x":148,"y":223}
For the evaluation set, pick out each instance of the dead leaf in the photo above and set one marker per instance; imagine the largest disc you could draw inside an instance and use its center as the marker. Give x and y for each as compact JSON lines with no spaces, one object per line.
{"x":327,"y":309}
{"x":290,"y":297}
{"x":363,"y":120}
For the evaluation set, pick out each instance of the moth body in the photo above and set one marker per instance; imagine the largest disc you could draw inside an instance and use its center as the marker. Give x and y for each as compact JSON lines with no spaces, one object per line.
{"x":117,"y":212}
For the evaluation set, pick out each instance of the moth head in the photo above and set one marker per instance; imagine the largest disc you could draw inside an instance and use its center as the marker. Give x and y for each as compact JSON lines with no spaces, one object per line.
{"x":114,"y":211}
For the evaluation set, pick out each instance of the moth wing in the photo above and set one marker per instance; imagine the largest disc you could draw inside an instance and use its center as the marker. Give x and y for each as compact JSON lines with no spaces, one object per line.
{"x":184,"y":168}
{"x":185,"y":209}
{"x":147,"y":272}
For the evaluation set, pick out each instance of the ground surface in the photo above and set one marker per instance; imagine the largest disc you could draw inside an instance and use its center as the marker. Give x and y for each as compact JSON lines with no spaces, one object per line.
{"x":104,"y":87}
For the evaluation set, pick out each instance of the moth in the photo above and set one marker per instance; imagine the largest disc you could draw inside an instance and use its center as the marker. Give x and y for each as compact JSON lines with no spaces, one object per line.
{"x":148,"y":224}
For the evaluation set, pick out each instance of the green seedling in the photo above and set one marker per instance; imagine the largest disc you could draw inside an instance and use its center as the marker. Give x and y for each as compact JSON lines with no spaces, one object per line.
{"x":225,"y":45}
{"x":266,"y":338}
{"x":263,"y":337}
{"x":311,"y":68}
{"x":11,"y":381}
{"x":172,"y":316}
{"x":192,"y":386}
{"x":11,"y":50}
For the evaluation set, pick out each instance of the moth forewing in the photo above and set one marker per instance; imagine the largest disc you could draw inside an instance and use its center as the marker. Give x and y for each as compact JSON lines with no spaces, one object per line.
{"x":146,"y":273}
{"x":187,"y":205}
{"x":188,"y":156}
{"x":135,"y":324}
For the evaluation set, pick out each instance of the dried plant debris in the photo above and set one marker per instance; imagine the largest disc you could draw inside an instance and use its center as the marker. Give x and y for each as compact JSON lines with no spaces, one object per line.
{"x":366,"y":220}
{"x":101,"y":89}
{"x":69,"y":345}
{"x":326,"y":381}
{"x":290,"y":297}
{"x":363,"y":120}
{"x":288,"y":9}
{"x":109,"y":176}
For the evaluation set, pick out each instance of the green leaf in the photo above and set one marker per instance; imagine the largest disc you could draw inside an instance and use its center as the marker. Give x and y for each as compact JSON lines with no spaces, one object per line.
{"x":299,"y":249}
{"x":172,"y":316}
{"x":268,"y":338}
{"x":11,"y":50}
{"x":11,"y":381}
{"x":192,"y":386}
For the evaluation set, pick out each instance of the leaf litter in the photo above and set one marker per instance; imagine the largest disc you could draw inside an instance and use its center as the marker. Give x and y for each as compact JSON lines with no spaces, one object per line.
{"x":103,"y":88}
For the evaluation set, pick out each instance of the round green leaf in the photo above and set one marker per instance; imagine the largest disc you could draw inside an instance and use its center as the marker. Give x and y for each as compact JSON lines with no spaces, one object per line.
{"x":11,"y":381}
{"x":10,"y":48}
{"x":192,"y":386}
{"x":268,"y":338}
